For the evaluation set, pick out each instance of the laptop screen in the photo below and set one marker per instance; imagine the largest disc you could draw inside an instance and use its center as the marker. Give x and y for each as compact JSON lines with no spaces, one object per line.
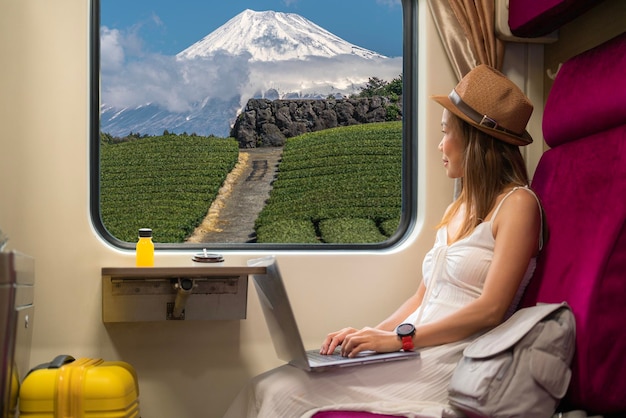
{"x":278,"y":313}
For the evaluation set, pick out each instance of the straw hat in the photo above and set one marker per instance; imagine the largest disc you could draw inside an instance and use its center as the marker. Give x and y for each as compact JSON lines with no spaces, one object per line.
{"x":488,"y":100}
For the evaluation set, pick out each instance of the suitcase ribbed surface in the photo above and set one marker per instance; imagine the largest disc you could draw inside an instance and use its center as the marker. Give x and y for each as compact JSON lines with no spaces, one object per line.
{"x":85,"y":388}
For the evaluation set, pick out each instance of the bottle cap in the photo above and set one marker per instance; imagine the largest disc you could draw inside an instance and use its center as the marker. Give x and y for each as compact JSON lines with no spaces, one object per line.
{"x":145,"y":232}
{"x":206,"y":257}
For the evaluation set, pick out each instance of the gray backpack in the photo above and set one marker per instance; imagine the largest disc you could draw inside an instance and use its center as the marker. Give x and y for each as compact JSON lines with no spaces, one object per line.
{"x":518,"y":369}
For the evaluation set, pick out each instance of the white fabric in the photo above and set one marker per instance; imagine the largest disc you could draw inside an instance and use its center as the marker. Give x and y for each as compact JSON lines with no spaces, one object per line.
{"x":411,"y":388}
{"x":460,"y":269}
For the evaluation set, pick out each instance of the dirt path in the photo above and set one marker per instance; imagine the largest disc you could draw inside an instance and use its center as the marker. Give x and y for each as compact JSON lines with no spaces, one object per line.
{"x":231,"y":216}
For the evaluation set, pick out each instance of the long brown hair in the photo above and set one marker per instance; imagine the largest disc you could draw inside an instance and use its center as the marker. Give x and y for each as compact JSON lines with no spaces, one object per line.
{"x":489,"y":166}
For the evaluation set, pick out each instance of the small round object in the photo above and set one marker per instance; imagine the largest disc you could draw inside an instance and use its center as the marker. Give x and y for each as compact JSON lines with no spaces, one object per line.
{"x":205,"y":257}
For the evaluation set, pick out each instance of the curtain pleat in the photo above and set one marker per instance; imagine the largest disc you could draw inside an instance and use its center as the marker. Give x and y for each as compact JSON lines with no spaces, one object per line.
{"x":467,"y":30}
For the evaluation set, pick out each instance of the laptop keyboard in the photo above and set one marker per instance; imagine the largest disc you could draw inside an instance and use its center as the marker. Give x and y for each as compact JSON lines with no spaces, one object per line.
{"x":314,"y":355}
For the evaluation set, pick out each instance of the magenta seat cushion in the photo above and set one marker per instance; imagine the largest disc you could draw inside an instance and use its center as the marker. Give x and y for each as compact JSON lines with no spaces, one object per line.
{"x":533,"y":18}
{"x":589,"y":94}
{"x":350,"y":414}
{"x":582,"y":186}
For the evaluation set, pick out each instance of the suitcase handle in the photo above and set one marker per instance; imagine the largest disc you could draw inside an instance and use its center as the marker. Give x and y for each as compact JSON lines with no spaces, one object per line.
{"x":56,"y":363}
{"x":59,"y":361}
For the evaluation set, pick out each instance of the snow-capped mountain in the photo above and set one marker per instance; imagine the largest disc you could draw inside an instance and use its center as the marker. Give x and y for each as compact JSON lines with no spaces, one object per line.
{"x":273,"y":36}
{"x":255,"y":54}
{"x":213,"y":117}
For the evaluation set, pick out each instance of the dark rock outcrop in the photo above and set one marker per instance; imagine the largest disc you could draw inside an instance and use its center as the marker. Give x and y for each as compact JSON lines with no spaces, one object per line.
{"x":267,"y":123}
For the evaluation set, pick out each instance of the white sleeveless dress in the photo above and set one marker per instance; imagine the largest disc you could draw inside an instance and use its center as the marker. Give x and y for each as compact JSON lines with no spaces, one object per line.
{"x":454,"y":276}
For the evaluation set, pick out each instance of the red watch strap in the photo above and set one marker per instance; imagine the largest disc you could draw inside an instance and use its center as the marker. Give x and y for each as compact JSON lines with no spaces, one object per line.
{"x":407,"y":343}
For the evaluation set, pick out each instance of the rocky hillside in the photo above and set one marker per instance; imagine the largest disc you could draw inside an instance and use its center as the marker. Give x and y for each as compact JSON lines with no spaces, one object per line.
{"x":267,"y":123}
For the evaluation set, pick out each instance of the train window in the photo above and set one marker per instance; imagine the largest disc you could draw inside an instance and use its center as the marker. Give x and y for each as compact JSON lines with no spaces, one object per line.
{"x":278,"y":124}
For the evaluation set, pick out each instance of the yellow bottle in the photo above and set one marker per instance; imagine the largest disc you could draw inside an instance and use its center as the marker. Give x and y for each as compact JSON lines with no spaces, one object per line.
{"x":145,"y":248}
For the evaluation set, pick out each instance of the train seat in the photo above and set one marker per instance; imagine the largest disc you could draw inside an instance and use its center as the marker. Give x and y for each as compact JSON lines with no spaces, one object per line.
{"x":581,"y":181}
{"x":535,"y":18}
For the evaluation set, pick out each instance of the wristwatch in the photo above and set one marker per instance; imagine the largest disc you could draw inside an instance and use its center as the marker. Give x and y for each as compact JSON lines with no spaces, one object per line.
{"x":405,"y":333}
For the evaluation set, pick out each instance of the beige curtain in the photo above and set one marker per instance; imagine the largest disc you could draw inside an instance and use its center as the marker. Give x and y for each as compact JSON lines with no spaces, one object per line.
{"x":467,"y":30}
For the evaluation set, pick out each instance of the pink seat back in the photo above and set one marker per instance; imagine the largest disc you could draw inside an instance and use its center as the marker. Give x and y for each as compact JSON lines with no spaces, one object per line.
{"x":582,"y":184}
{"x":534,"y":18}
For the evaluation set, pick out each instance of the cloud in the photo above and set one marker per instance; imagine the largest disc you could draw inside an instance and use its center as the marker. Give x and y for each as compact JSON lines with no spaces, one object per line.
{"x":390,"y":3}
{"x":156,"y":20}
{"x":116,"y":46}
{"x":344,"y":74}
{"x":131,"y":77}
{"x":111,"y":49}
{"x":175,"y":85}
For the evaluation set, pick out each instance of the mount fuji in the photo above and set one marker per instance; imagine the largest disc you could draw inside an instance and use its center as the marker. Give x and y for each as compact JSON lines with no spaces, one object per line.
{"x":255,"y":54}
{"x":273,"y":36}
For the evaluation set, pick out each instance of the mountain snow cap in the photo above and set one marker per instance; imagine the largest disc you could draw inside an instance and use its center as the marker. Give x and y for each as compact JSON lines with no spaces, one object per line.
{"x":273,"y":36}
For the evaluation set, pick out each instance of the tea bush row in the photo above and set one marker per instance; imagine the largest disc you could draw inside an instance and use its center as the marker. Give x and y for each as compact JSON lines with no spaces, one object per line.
{"x":341,"y":185}
{"x":166,"y":183}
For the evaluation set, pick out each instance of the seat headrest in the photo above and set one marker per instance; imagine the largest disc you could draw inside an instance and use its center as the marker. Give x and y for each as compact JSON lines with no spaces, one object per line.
{"x":533,"y":18}
{"x":588,"y":95}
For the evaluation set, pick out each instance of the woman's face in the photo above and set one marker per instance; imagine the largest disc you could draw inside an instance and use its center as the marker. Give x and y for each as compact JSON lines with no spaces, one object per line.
{"x":452,"y":145}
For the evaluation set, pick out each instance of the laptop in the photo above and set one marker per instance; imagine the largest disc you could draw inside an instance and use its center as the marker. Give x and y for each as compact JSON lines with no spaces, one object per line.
{"x":284,"y":329}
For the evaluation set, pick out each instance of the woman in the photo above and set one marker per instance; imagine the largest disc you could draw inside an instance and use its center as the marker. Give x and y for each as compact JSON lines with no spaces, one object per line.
{"x":473,"y":277}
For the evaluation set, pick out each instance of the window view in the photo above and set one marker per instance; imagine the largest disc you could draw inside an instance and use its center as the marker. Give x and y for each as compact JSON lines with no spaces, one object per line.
{"x":276,"y":122}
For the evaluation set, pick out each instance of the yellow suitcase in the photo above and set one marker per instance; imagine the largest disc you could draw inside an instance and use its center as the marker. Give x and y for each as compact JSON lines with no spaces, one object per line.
{"x":83,"y":388}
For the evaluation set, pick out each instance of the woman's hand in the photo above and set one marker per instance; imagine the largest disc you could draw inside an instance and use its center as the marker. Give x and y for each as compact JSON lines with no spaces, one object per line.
{"x":335,"y":339}
{"x":372,"y":339}
{"x":354,"y":341}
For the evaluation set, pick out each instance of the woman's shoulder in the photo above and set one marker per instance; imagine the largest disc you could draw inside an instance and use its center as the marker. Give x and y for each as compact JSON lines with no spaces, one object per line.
{"x":517,"y":205}
{"x":521,"y":197}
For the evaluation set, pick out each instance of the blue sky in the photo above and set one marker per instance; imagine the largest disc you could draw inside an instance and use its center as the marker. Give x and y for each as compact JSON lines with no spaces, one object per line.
{"x":168,"y":26}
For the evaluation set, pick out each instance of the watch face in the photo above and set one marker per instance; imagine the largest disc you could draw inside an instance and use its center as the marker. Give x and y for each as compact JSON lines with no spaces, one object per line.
{"x":405,"y":329}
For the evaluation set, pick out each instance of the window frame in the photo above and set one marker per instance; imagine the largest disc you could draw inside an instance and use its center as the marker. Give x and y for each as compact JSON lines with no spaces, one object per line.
{"x":408,"y":218}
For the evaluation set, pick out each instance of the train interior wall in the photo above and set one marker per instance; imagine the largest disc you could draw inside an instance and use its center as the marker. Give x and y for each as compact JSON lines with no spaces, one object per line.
{"x":186,"y":369}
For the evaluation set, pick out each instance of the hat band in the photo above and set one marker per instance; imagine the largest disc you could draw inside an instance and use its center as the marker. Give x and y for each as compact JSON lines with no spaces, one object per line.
{"x":480,"y":120}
